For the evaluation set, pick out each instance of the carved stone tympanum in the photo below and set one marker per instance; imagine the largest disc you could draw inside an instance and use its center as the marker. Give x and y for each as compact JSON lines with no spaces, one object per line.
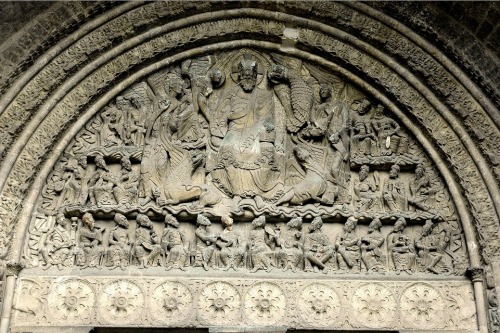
{"x":238,"y":162}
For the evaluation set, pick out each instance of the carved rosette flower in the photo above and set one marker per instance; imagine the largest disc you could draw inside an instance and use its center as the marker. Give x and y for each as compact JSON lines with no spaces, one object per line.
{"x":219,"y":303}
{"x":265,"y":303}
{"x":374,"y":305}
{"x":422,"y":306}
{"x":121,"y":302}
{"x":71,"y":301}
{"x":171,"y":302}
{"x":319,"y":305}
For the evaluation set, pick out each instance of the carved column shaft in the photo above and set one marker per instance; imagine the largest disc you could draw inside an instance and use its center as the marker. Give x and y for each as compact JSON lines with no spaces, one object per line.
{"x":12,"y":270}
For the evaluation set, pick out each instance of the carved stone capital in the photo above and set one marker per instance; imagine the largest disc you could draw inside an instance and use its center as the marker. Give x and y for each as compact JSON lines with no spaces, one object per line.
{"x":13,"y":268}
{"x":476,"y":273}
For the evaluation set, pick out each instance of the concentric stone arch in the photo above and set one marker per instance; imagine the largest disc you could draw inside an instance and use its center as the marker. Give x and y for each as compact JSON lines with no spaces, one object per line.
{"x":472,"y":177}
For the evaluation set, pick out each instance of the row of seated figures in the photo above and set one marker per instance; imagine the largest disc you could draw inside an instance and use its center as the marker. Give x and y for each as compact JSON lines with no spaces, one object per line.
{"x":264,"y":246}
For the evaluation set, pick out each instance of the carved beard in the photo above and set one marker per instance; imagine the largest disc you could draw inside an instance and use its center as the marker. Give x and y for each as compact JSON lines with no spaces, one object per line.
{"x":247,"y":84}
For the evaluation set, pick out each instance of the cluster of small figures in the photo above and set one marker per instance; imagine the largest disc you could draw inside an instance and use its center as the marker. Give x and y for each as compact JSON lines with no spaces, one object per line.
{"x":284,"y":246}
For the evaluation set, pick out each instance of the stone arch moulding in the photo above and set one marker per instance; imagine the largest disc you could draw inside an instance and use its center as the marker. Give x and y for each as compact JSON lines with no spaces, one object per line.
{"x":439,"y":110}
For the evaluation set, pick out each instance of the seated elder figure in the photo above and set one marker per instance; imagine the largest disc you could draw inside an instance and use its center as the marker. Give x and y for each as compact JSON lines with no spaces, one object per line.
{"x":318,"y":250}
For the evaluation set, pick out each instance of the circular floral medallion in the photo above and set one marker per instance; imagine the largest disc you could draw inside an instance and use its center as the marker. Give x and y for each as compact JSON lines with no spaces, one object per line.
{"x":374,"y":305}
{"x":422,"y":306}
{"x":171,"y":302}
{"x":219,"y":303}
{"x":265,"y":303}
{"x":121,"y":302}
{"x":71,"y":301}
{"x":319,"y":305}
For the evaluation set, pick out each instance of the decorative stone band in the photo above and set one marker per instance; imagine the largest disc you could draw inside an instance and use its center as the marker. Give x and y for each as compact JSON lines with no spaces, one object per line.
{"x":153,"y":301}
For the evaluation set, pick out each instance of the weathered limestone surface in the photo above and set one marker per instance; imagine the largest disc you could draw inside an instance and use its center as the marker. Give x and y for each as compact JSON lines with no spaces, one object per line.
{"x":256,"y":166}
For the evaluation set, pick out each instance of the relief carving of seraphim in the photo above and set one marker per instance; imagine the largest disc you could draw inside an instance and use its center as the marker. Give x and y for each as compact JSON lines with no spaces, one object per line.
{"x":245,"y":162}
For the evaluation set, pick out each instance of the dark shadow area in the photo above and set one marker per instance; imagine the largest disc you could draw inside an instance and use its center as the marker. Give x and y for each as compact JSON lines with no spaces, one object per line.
{"x":206,"y":330}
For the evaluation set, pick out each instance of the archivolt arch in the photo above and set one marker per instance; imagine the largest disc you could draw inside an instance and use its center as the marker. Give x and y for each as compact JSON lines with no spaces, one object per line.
{"x":59,"y":112}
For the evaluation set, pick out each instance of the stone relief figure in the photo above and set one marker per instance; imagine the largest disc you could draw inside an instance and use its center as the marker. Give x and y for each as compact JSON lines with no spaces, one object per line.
{"x":337,"y":129}
{"x":231,"y":245}
{"x":101,"y":184}
{"x":394,"y":192}
{"x":298,"y":99}
{"x":259,"y":241}
{"x":75,"y":190}
{"x":311,"y":187}
{"x":84,"y":174}
{"x":112,"y":125}
{"x":391,"y":139}
{"x":135,"y":126}
{"x":91,"y":242}
{"x":176,"y":174}
{"x":191,"y":125}
{"x":431,"y":248}
{"x":147,"y":249}
{"x":185,"y":179}
{"x":173,"y":244}
{"x":329,"y":123}
{"x":249,"y":111}
{"x":365,"y":189}
{"x":126,"y":187}
{"x":203,"y":78}
{"x":58,"y":245}
{"x":318,"y":250}
{"x":371,"y":248}
{"x":205,"y":243}
{"x":321,"y":113}
{"x":347,"y":246}
{"x":119,"y":243}
{"x":421,"y":190}
{"x":159,"y":148}
{"x":290,"y":241}
{"x":401,"y":249}
{"x":363,"y":139}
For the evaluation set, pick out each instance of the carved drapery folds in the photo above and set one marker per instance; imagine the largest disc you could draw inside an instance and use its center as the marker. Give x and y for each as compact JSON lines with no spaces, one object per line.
{"x":239,"y":137}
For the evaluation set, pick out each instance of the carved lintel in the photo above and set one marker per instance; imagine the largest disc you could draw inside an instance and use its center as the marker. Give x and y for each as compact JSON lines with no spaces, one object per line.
{"x":14,"y":268}
{"x":476,"y":273}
